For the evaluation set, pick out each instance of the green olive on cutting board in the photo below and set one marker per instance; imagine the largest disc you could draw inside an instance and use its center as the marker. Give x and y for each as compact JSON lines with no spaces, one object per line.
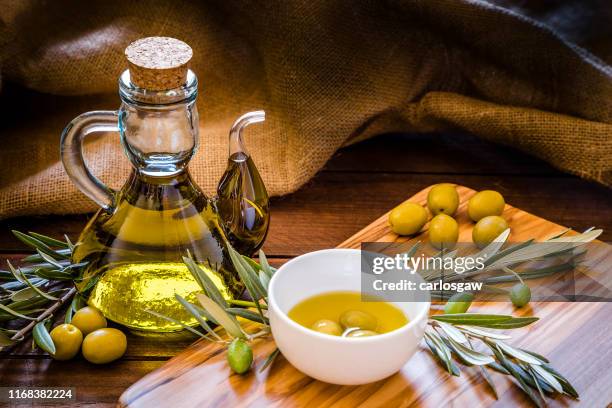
{"x":443,"y":199}
{"x":487,"y":229}
{"x":407,"y":218}
{"x":443,"y":231}
{"x":485,"y":203}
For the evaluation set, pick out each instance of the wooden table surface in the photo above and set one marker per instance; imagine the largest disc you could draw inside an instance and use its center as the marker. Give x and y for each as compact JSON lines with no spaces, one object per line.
{"x":359,"y":184}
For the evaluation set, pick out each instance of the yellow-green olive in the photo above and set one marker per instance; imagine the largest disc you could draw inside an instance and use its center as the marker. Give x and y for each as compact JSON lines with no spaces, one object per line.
{"x":104,"y":345}
{"x":443,"y":231}
{"x":327,"y":326}
{"x":88,"y":319}
{"x":67,"y":340}
{"x":357,"y":318}
{"x":362,"y":333}
{"x":443,"y":199}
{"x":487,"y":229}
{"x":459,"y":303}
{"x":239,"y":356}
{"x":407,"y":218}
{"x":485,"y":203}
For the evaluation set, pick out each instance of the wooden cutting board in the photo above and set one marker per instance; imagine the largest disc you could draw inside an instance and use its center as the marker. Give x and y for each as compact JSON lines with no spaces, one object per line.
{"x":575,"y":336}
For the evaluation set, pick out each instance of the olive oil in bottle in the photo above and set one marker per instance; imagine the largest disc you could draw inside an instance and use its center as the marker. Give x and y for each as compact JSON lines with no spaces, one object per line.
{"x":134,"y":246}
{"x":243,"y":204}
{"x":135,"y":255}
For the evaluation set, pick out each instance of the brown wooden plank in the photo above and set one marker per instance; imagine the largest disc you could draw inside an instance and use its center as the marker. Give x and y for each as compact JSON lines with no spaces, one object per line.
{"x":336,"y":205}
{"x":571,"y":334}
{"x":98,"y":386}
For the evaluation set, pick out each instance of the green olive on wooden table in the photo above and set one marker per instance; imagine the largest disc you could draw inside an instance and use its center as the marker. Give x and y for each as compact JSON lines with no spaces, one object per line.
{"x":104,"y":345}
{"x":67,"y":340}
{"x":239,"y":356}
{"x":362,"y":333}
{"x":357,"y":318}
{"x":487,"y":229}
{"x":443,"y":231}
{"x":443,"y":199}
{"x":327,"y":326}
{"x":485,"y":203}
{"x":407,"y":218}
{"x":88,"y":319}
{"x":520,"y":294}
{"x":459,"y":303}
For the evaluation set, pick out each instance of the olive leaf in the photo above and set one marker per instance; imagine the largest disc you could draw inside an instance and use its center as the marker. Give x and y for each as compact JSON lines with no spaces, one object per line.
{"x":183,"y":325}
{"x":482,"y":333}
{"x":519,"y":378}
{"x":39,"y":245}
{"x":489,"y":380}
{"x":469,"y":355}
{"x":250,"y":280}
{"x":265,"y":266}
{"x":23,"y":294}
{"x":49,"y":259}
{"x":197,"y":315}
{"x":247,"y":314}
{"x":248,"y":276}
{"x":5,"y":340}
{"x":34,"y":287}
{"x":516,"y":353}
{"x":60,"y":253}
{"x":42,"y":338}
{"x":452,"y":332}
{"x":270,"y":359}
{"x":51,"y":241}
{"x":12,"y":312}
{"x":553,"y":246}
{"x":567,"y":387}
{"x":536,"y":355}
{"x":264,"y":279}
{"x":486,"y":320}
{"x":227,"y":321}
{"x":442,"y":354}
{"x":205,"y":282}
{"x":548,"y":377}
{"x":245,"y":303}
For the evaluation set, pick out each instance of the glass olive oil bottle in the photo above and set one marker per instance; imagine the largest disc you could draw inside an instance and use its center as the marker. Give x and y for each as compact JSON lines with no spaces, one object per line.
{"x":134,"y":245}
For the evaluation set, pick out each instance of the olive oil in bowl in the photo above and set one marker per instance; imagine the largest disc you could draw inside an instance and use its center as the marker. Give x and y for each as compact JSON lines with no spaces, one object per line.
{"x":344,"y":313}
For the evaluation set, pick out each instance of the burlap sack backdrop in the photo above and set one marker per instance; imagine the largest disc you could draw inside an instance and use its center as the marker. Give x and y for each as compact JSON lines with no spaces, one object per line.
{"x":327,"y":73}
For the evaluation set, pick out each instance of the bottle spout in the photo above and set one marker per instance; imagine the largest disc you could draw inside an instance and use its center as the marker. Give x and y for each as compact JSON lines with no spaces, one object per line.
{"x":236,"y":144}
{"x":242,"y":198}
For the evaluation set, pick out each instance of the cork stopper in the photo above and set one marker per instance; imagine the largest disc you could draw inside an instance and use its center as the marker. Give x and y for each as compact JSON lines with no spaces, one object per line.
{"x":158,"y":63}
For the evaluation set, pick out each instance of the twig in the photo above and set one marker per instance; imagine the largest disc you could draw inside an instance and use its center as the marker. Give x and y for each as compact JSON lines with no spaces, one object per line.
{"x":21,"y":333}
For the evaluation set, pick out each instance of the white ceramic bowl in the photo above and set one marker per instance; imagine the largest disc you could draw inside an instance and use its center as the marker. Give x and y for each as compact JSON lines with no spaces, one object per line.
{"x":328,"y":358}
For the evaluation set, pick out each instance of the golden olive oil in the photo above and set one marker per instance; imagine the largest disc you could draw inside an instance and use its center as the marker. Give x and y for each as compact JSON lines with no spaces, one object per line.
{"x":331,"y":305}
{"x":134,"y":254}
{"x":242,"y":201}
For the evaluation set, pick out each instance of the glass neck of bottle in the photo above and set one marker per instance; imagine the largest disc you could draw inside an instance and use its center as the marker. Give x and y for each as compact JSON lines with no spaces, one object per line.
{"x":159,"y":129}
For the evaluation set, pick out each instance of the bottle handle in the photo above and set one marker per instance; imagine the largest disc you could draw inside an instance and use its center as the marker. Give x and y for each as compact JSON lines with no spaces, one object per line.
{"x":71,"y":149}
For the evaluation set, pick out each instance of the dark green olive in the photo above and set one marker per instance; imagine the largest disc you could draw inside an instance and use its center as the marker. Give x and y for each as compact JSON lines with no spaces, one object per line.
{"x":458,"y":303}
{"x":520,"y":295}
{"x":239,"y":356}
